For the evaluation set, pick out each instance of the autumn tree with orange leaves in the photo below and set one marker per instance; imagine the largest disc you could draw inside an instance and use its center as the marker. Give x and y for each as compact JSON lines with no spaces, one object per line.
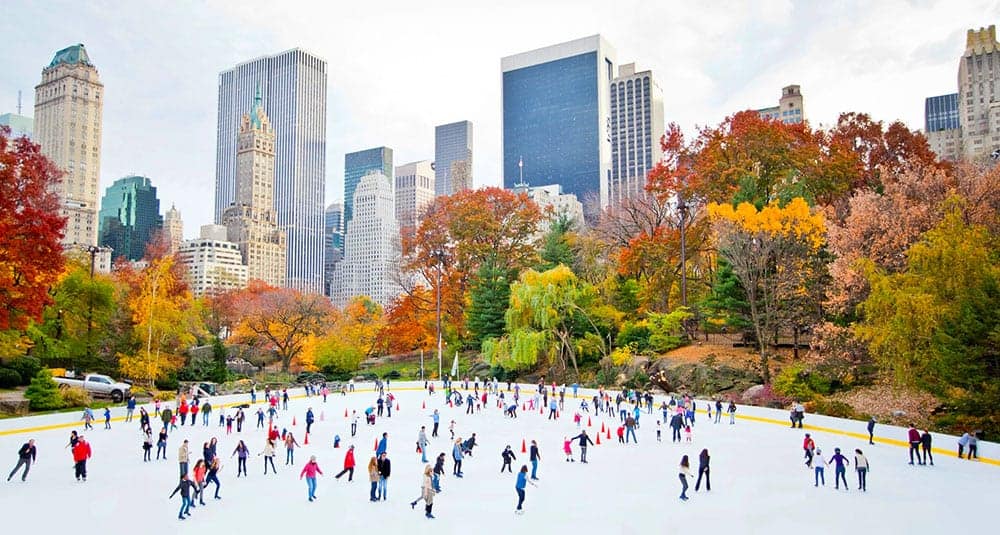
{"x":30,"y":230}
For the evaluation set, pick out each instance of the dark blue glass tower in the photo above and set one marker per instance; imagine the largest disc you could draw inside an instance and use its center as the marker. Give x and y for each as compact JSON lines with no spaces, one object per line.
{"x":359,"y":164}
{"x":941,"y":113}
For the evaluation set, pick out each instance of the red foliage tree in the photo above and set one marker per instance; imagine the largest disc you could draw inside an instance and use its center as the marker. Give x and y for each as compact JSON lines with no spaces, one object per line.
{"x":30,"y":230}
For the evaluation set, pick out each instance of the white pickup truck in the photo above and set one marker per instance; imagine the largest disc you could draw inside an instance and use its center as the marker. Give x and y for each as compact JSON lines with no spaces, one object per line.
{"x":97,"y":385}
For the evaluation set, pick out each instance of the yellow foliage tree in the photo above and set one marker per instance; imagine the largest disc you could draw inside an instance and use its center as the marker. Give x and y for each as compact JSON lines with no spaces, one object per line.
{"x":773,"y":252}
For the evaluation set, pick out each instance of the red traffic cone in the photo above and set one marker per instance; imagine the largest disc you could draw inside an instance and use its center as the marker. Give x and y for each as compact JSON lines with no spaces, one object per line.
{"x":541,"y":410}
{"x":376,"y":445}
{"x":557,"y":415}
{"x":523,"y":449}
{"x":345,"y":413}
{"x":293,"y":421}
{"x":598,"y":439}
{"x":609,"y":434}
{"x":423,"y":405}
{"x":602,"y":427}
{"x":397,"y":406}
{"x":588,"y":422}
{"x":307,"y":439}
{"x":524,"y":407}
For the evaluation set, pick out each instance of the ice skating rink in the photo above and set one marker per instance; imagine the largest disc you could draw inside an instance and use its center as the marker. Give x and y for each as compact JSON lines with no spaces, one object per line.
{"x":759,"y":482}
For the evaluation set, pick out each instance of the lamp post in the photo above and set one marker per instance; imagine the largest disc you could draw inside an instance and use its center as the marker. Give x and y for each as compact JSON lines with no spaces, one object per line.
{"x":682,"y":208}
{"x":439,"y":255}
{"x":93,"y":250}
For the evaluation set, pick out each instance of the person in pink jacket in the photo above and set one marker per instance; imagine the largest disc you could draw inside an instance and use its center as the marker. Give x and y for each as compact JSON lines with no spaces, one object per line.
{"x":309,"y":471}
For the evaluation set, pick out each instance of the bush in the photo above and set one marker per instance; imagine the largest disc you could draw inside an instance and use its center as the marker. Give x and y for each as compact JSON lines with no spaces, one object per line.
{"x":635,"y":335}
{"x":9,"y":378}
{"x":26,"y":367}
{"x":43,"y":392}
{"x":837,"y":409}
{"x":798,"y":382}
{"x":169,"y":383}
{"x":76,"y":397}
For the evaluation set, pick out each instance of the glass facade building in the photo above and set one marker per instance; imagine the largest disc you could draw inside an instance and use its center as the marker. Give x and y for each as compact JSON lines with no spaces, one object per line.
{"x":359,"y":164}
{"x":129,"y":217}
{"x":941,"y":113}
{"x":452,"y":157}
{"x":556,"y":117}
{"x":293,"y":89}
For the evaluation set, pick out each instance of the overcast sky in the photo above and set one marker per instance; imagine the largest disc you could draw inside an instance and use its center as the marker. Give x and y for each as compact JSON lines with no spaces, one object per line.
{"x":398,"y":68}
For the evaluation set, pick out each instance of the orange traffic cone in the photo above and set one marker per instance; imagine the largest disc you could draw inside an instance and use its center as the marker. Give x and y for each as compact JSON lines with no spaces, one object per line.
{"x":598,"y":439}
{"x":293,"y":421}
{"x":307,"y":439}
{"x":523,"y":449}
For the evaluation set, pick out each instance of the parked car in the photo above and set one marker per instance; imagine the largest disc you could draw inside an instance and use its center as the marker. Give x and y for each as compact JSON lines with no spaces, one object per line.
{"x":310,"y":377}
{"x":97,"y":385}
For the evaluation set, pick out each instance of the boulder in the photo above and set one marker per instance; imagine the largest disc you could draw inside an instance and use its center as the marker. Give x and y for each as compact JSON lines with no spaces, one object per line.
{"x":14,"y":407}
{"x":752,"y":393}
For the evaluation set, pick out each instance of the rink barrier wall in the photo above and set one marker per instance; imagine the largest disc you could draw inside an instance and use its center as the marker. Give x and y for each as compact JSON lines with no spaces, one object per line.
{"x":989,"y":452}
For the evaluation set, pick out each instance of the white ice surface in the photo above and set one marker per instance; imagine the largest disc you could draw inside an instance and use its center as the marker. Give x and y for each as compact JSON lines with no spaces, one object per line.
{"x":759,"y":484}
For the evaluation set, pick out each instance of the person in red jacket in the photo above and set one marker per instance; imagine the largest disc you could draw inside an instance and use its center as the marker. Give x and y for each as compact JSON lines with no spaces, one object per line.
{"x":809,"y":446}
{"x":348,"y":465}
{"x":183,"y":410}
{"x":914,"y":437}
{"x":81,"y":452}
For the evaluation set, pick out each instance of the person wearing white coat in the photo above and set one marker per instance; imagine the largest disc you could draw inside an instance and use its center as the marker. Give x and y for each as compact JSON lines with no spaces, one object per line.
{"x":861,"y":465}
{"x":819,"y":465}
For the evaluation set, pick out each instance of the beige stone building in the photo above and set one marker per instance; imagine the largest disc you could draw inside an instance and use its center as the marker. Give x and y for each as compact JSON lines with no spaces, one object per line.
{"x":173,"y":226}
{"x":250,"y":220}
{"x":790,"y":108}
{"x":979,"y":93}
{"x":414,"y":191}
{"x":68,"y":117}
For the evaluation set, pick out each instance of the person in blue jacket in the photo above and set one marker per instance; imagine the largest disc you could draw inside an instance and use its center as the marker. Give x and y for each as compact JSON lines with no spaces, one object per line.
{"x":383,"y":445}
{"x":522,"y":483}
{"x":839,"y":469}
{"x":456,"y":454}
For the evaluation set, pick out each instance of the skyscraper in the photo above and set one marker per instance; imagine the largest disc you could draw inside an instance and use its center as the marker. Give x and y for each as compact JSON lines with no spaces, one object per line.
{"x":68,"y":108}
{"x":942,"y":127}
{"x":293,"y":91}
{"x":129,"y":217}
{"x":19,"y":124}
{"x":636,"y":128}
{"x":979,"y":93}
{"x":556,"y":115}
{"x":333,"y":229}
{"x":250,"y":221}
{"x":414,"y":191}
{"x":359,"y":164}
{"x":371,"y":249}
{"x":173,"y":226}
{"x":790,"y":108}
{"x":452,"y":157}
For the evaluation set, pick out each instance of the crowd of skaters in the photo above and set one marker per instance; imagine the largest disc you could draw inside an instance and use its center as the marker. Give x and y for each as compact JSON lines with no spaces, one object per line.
{"x":628,"y":406}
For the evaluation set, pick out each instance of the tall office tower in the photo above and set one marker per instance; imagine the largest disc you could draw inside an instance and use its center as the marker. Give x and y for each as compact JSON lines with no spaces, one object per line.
{"x":371,"y":246}
{"x":333,"y":228}
{"x":129,"y":217}
{"x":452,"y":157}
{"x":293,"y":90}
{"x":19,"y":124}
{"x":636,"y":128}
{"x":214,"y":265}
{"x":359,"y":164}
{"x":979,"y":93}
{"x":250,"y":221}
{"x":942,"y":127}
{"x":414,"y":191}
{"x":790,"y":108}
{"x":556,"y":117}
{"x":173,"y":226}
{"x":68,"y":107}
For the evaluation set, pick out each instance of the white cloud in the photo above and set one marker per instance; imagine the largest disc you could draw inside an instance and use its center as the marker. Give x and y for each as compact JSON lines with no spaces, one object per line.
{"x":397,"y":68}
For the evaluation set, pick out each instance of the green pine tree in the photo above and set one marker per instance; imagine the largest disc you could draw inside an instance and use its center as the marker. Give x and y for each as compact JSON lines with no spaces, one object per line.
{"x":727,"y":301}
{"x":555,"y":245}
{"x":490,"y":295}
{"x":43,"y":392}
